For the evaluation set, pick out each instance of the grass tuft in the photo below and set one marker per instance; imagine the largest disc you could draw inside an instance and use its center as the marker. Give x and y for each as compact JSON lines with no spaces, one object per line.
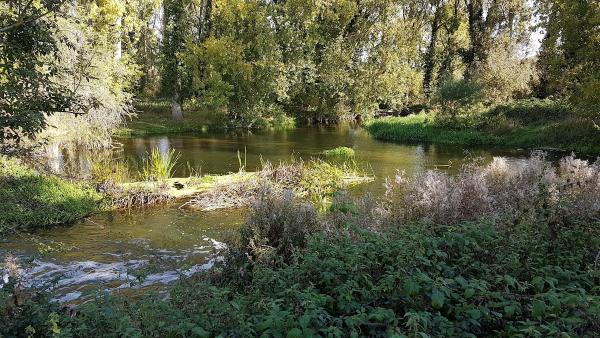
{"x":160,"y":166}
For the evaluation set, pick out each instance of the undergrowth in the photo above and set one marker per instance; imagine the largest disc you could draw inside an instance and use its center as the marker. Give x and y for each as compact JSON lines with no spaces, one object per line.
{"x":294,"y":273}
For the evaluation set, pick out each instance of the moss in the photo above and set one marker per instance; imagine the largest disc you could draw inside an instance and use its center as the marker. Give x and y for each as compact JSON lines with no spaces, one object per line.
{"x":31,"y":200}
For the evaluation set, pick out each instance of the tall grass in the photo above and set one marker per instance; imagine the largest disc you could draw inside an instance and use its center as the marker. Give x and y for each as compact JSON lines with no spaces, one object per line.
{"x":339,"y":153}
{"x":160,"y":166}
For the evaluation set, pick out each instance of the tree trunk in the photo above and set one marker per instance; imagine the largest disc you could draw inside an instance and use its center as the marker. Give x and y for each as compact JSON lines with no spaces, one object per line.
{"x":477,"y":33}
{"x":430,"y":54}
{"x":176,"y":110}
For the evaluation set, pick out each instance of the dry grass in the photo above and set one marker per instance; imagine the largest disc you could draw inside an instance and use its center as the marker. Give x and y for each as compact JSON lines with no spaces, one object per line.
{"x":499,"y":190}
{"x":314,"y":180}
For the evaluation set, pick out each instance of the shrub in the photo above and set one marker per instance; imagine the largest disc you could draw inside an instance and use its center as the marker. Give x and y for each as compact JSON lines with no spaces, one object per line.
{"x":277,"y":226}
{"x":453,"y":94}
{"x":532,"y":111}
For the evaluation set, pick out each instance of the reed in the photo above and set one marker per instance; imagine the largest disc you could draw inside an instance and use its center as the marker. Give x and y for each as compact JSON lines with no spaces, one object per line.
{"x":160,"y":166}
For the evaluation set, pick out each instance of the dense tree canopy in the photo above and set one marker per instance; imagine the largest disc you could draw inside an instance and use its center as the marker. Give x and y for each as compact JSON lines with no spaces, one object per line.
{"x":247,"y":61}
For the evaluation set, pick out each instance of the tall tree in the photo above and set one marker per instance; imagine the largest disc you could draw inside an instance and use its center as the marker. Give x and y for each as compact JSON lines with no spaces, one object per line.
{"x":570,"y":56}
{"x":487,"y":21}
{"x":27,"y":48}
{"x":176,"y":30}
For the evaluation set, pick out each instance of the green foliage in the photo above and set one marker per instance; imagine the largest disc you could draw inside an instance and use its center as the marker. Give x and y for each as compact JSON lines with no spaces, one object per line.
{"x":277,"y":227}
{"x":110,"y":170}
{"x":472,"y":279}
{"x":569,"y":58}
{"x":27,"y":94}
{"x":453,"y":94}
{"x":29,"y":200}
{"x":159,"y":165}
{"x":320,"y":181}
{"x":297,"y":275}
{"x":523,"y":123}
{"x":340,"y":153}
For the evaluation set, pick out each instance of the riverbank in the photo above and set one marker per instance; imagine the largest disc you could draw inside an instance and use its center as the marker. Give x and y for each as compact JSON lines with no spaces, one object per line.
{"x":30,"y":199}
{"x":530,"y":124}
{"x":489,"y":252}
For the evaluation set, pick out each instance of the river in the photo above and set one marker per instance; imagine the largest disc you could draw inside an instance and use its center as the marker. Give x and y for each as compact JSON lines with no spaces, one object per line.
{"x":153,"y":246}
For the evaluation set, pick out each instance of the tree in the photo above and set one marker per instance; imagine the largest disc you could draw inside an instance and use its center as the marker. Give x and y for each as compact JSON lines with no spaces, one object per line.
{"x":488,"y":20}
{"x":27,"y":48}
{"x":176,"y":30}
{"x":570,"y":57}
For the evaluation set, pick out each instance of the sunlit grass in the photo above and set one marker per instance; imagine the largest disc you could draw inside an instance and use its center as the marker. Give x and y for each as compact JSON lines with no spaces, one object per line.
{"x":490,"y":128}
{"x":340,"y":153}
{"x":160,"y":166}
{"x":30,"y":200}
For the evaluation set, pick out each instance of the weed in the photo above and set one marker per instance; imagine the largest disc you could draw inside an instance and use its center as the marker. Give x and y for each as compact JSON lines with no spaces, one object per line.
{"x":160,"y":166}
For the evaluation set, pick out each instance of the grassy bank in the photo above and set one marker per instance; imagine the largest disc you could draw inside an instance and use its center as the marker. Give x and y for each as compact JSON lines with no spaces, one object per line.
{"x":527,"y":124}
{"x":497,"y":251}
{"x":31,"y":200}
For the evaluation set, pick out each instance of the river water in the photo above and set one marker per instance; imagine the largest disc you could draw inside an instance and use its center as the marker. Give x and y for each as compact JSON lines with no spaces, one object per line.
{"x":152,"y":247}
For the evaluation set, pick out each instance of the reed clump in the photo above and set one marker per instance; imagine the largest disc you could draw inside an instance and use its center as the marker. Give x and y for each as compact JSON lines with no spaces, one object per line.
{"x":159,"y":165}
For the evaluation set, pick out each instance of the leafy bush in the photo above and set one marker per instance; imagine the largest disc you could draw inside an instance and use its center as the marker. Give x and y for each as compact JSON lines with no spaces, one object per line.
{"x":277,"y":227}
{"x":455,"y":93}
{"x":532,"y":111}
{"x":471,"y":279}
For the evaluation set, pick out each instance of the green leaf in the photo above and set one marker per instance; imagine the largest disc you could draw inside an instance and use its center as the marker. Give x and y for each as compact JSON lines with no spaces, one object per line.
{"x":510,"y":310}
{"x":437,"y":299}
{"x":474,"y":313}
{"x":538,"y":308}
{"x":470,"y":292}
{"x":411,"y":287}
{"x":200,"y":332}
{"x":294,"y":333}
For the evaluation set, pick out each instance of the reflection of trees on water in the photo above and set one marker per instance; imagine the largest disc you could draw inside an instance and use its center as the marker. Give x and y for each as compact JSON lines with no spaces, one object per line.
{"x":73,"y":161}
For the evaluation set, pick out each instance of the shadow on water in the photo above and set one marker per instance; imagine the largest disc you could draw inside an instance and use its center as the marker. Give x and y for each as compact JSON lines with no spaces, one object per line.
{"x":103,"y":251}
